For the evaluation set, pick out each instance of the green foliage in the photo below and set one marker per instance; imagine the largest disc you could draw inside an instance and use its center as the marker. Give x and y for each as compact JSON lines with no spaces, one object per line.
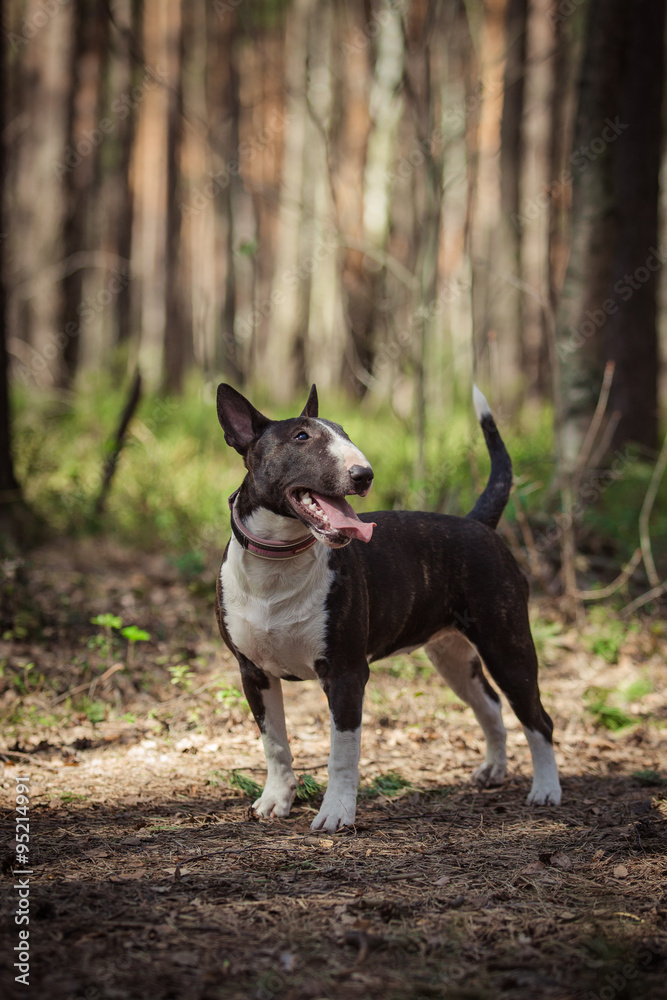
{"x":189,"y":564}
{"x":24,"y":681}
{"x":175,"y":471}
{"x":230,"y":696}
{"x":606,"y":715}
{"x":607,"y":634}
{"x":546,"y":636}
{"x":389,"y":785}
{"x":134,"y":634}
{"x":181,"y":675}
{"x":107,"y":621}
{"x":636,"y":690}
{"x":308,"y":788}
{"x":648,"y":777}
{"x":244,"y":784}
{"x":416,"y":666}
{"x":95,"y":711}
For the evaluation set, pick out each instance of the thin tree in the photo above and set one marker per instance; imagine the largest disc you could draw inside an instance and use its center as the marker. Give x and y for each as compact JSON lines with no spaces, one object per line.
{"x":9,"y":487}
{"x":630,"y":333}
{"x":90,"y":46}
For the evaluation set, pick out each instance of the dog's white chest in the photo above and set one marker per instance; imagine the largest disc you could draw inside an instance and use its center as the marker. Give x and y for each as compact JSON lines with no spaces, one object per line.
{"x":275,"y":613}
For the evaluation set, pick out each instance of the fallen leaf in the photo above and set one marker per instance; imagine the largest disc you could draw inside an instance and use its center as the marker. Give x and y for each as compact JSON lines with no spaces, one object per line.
{"x":444,"y":880}
{"x":561,"y":860}
{"x":532,"y":869}
{"x":620,"y":871}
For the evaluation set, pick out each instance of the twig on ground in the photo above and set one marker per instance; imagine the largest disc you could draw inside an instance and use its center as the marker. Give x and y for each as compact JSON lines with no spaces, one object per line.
{"x":18,"y":755}
{"x":605,"y":440}
{"x":639,"y":602}
{"x":117,"y":444}
{"x":594,"y":426}
{"x":517,"y":551}
{"x":645,"y":514}
{"x":623,"y":577}
{"x":534,"y":561}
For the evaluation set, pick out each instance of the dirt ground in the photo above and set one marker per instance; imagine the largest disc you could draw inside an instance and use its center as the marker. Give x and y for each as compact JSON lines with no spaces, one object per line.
{"x":151,"y":878}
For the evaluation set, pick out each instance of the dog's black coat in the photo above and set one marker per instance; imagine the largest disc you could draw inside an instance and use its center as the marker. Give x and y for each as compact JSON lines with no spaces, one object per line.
{"x":422,"y":575}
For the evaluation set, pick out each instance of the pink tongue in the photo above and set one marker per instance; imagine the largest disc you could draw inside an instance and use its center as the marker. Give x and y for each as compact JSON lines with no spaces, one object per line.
{"x":343,"y":517}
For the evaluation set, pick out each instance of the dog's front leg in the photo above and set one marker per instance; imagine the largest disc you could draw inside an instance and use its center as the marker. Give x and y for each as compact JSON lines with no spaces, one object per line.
{"x":345,"y":695}
{"x":265,"y":697}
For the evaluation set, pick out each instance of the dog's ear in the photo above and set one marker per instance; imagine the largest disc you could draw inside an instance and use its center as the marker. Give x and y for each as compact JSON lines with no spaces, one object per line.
{"x":239,"y":419}
{"x":311,"y":407}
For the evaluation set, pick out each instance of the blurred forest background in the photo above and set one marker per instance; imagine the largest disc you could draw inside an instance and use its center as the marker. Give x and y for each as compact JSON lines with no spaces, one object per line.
{"x":389,"y":198}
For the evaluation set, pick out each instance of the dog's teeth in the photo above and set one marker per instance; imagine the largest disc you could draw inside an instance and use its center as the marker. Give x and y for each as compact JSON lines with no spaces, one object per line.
{"x":307,"y":499}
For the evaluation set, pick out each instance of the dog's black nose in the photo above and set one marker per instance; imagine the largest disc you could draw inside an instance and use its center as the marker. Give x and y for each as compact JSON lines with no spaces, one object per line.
{"x":362,"y":477}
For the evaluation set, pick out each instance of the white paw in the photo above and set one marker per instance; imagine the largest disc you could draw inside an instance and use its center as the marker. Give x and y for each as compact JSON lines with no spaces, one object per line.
{"x":337,"y":810}
{"x":544,"y":795}
{"x":275,"y":800}
{"x":489,"y":773}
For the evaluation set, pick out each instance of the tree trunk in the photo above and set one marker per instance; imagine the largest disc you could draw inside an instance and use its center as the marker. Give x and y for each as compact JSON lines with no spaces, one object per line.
{"x":587,"y":284}
{"x":9,"y":487}
{"x":91,"y":24}
{"x":537,"y":127}
{"x":224,"y":112}
{"x":278,"y":364}
{"x":126,"y":321}
{"x":178,"y":325}
{"x":509,"y":307}
{"x":630,"y":333}
{"x":351,"y":125}
{"x":423,"y":61}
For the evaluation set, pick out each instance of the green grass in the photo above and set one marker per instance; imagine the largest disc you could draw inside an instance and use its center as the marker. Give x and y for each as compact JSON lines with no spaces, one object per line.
{"x":607,"y":634}
{"x":175,"y":472}
{"x":240,"y":781}
{"x":606,"y":714}
{"x":308,"y":788}
{"x":389,"y":785}
{"x":649,"y":777}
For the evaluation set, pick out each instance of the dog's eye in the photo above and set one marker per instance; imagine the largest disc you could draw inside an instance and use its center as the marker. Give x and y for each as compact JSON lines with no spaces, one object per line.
{"x":301,"y":436}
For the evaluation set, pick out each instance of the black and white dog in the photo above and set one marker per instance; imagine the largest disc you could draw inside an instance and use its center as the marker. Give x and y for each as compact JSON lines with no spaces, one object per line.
{"x":300,"y":597}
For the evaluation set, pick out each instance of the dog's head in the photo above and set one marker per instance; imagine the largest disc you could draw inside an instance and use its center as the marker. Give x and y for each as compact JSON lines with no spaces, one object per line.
{"x":303,"y":467}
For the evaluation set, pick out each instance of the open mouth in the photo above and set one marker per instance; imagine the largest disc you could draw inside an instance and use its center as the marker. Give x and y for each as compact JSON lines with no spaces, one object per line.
{"x":332,"y":517}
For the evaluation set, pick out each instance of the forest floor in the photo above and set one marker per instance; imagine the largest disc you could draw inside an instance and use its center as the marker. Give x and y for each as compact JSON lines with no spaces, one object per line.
{"x":150,"y":877}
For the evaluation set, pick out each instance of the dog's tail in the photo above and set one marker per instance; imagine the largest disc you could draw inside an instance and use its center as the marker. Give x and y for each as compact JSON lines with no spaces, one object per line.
{"x":493,"y":500}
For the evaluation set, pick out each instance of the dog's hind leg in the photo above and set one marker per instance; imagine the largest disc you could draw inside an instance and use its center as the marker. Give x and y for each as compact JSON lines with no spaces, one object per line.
{"x":265,"y":697}
{"x":511,"y":660}
{"x":457,"y":662}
